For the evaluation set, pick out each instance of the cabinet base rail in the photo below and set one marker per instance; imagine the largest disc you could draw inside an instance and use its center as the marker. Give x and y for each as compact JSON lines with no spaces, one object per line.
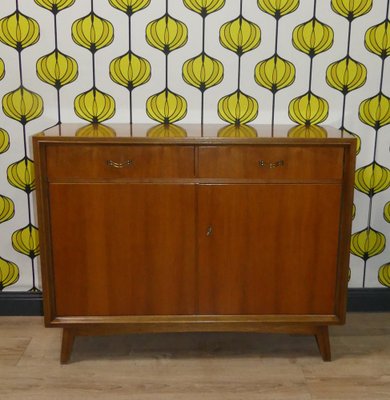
{"x":320,"y":332}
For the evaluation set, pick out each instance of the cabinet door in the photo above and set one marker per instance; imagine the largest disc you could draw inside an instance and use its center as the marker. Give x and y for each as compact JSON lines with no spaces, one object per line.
{"x":123,"y":249}
{"x":268,"y":249}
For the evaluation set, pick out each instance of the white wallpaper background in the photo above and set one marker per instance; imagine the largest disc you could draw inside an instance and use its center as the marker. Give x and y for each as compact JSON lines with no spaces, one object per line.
{"x":306,"y":62}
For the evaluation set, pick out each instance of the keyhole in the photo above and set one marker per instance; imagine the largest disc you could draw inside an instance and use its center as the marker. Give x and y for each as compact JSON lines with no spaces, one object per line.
{"x":209,"y":231}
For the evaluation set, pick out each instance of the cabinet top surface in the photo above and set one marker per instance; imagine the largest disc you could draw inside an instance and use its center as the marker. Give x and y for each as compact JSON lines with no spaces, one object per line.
{"x":192,"y":131}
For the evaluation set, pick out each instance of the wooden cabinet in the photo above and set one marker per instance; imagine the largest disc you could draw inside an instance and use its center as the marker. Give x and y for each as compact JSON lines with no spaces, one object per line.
{"x":194,"y":234}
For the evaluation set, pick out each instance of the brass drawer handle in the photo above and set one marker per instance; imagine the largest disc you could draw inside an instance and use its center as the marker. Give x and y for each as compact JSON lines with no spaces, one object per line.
{"x":123,"y":164}
{"x":271,"y":165}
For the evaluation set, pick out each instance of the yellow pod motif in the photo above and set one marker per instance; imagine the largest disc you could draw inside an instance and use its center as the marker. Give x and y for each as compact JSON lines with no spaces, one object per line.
{"x":130,"y":70}
{"x":55,"y":6}
{"x":203,"y":72}
{"x":238,"y":108}
{"x":92,"y":32}
{"x":22,"y":105}
{"x":57,"y":69}
{"x":307,"y":131}
{"x":367,"y":243}
{"x":7,"y":209}
{"x":278,"y":8}
{"x":19,"y":31}
{"x":9,"y":273}
{"x":204,"y":7}
{"x":166,"y":107}
{"x":2,"y":69}
{"x":166,"y":131}
{"x":237,"y":131}
{"x":4,"y":141}
{"x":346,"y":75}
{"x":375,"y":111}
{"x":129,"y":6}
{"x":240,"y":35}
{"x":166,"y":34}
{"x":377,"y":39}
{"x":372,"y":179}
{"x":94,"y":106}
{"x":384,"y":275}
{"x":21,"y":175}
{"x":275,"y":73}
{"x":351,"y":9}
{"x":313,"y":37}
{"x":95,"y":130}
{"x":308,"y":109}
{"x":26,"y":241}
{"x":386,"y":212}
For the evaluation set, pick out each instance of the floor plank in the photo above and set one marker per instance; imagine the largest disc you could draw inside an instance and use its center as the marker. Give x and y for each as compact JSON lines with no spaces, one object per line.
{"x":205,"y":366}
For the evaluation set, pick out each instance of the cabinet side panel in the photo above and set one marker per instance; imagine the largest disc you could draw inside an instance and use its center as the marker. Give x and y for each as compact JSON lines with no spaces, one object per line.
{"x":273,"y":248}
{"x":123,"y":249}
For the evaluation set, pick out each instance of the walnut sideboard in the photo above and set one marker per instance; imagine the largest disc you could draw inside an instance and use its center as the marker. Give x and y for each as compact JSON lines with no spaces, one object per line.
{"x":177,"y":229}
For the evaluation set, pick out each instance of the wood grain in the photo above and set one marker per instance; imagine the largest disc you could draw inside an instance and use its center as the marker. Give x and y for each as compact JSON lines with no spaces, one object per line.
{"x":123,"y":249}
{"x":265,"y":248}
{"x":187,"y":232}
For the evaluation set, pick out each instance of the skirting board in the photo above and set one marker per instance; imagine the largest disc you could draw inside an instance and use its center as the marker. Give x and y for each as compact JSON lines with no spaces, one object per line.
{"x":30,"y":304}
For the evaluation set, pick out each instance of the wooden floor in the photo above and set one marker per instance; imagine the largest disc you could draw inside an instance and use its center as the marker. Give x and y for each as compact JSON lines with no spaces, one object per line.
{"x":196,"y":366}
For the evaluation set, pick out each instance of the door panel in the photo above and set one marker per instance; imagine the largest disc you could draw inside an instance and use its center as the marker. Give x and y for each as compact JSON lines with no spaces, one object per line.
{"x":268,"y":249}
{"x":123,"y":249}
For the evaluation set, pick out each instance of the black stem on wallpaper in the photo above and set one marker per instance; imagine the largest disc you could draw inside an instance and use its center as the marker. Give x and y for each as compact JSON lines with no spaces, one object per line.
{"x":311,"y":72}
{"x":273,"y":91}
{"x":202,"y":90}
{"x":239,"y":73}
{"x":34,"y":289}
{"x":166,"y":71}
{"x":56,"y":49}
{"x":59,"y":106}
{"x":276,"y":36}
{"x":55,"y":32}
{"x":130,"y":89}
{"x":20,"y":68}
{"x":93,"y":71}
{"x":131,"y":111}
{"x":25,"y":152}
{"x":345,"y":94}
{"x":240,"y":54}
{"x":203,"y":34}
{"x":312,"y":55}
{"x":129,"y":33}
{"x":342,"y":127}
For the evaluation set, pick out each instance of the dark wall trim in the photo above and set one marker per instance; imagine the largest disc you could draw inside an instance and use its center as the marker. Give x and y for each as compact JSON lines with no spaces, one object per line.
{"x":20,"y":303}
{"x":24,"y":304}
{"x":369,"y":300}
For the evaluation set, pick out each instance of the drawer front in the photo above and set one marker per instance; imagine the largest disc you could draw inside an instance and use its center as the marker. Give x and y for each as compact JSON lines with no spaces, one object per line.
{"x":271,"y":162}
{"x":80,"y":161}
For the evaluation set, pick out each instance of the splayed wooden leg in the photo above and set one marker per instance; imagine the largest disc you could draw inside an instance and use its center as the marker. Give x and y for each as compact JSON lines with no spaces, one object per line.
{"x":322,"y":338}
{"x":67,"y":344}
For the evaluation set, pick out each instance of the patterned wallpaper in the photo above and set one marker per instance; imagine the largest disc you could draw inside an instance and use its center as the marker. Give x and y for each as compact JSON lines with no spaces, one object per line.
{"x":239,"y":62}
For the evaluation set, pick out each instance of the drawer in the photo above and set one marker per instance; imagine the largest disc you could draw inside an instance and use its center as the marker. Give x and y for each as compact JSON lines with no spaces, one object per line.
{"x":97,"y":161}
{"x":271,"y":162}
